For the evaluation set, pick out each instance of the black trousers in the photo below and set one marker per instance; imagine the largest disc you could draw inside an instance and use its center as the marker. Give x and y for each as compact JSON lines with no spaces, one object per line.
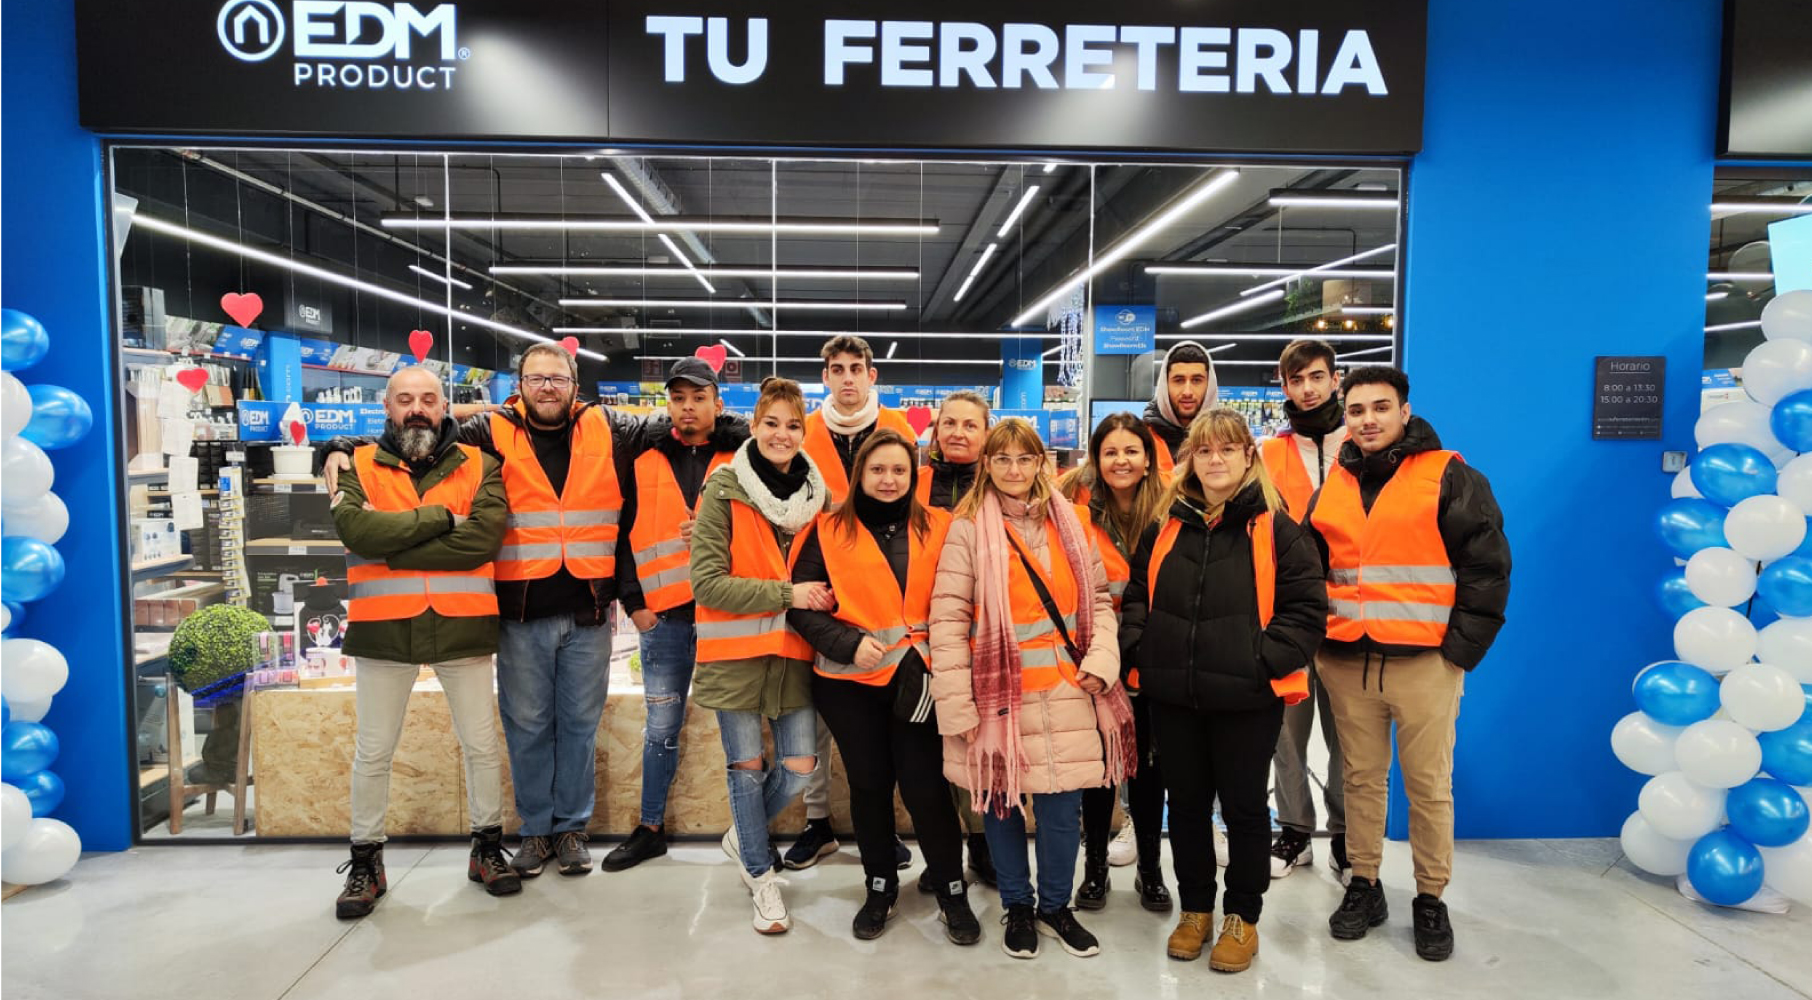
{"x":879,"y":751}
{"x":1226,"y":754}
{"x":1145,"y":795}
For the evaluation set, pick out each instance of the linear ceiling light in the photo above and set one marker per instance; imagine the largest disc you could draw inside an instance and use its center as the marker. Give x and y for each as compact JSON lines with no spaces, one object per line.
{"x":1368,"y":310}
{"x":181,"y":232}
{"x":727,"y":304}
{"x":1714,"y":296}
{"x":623,"y":193}
{"x":670,"y":224}
{"x":892,"y":346}
{"x":714,"y":271}
{"x":1739,"y":276}
{"x":1327,"y":335}
{"x":1228,"y":310}
{"x":686,"y":262}
{"x":1362,"y":353}
{"x":713,"y":331}
{"x":1241,"y":271}
{"x":974,"y":271}
{"x":1049,"y":167}
{"x":1725,"y":327}
{"x":816,"y":360}
{"x":732,"y":348}
{"x":1286,"y":198}
{"x":1774,"y":207}
{"x":443,"y":279}
{"x":1018,"y":209}
{"x":1321,"y":269}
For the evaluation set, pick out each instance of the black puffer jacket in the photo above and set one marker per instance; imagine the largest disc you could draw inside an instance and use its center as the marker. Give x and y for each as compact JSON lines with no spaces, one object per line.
{"x":1472,"y":528}
{"x":1199,"y":644}
{"x":949,"y":481}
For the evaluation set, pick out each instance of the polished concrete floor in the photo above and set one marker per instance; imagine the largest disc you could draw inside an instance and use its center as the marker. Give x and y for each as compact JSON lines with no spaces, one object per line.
{"x":1548,"y":919}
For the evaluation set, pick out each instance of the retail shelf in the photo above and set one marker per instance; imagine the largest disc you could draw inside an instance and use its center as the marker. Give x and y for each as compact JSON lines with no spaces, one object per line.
{"x":148,"y":476}
{"x":154,"y":773}
{"x":293,"y":547}
{"x":309,"y":485}
{"x":161,"y":567}
{"x":150,"y":649}
{"x":165,"y":352}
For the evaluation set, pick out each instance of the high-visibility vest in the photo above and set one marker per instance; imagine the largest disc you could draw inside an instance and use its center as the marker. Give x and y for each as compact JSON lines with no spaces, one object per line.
{"x":1166,"y":462}
{"x":923,"y":489}
{"x":1292,"y":688}
{"x":663,"y":559}
{"x":377,"y":593}
{"x":1044,"y":660}
{"x":754,"y":555}
{"x":1289,"y":473}
{"x":823,"y":450}
{"x":578,"y":528}
{"x":1388,"y":573}
{"x":1119,"y":571}
{"x":861,"y":577}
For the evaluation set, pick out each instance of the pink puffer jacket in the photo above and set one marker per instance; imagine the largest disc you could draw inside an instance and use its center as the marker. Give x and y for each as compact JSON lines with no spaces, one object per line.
{"x":1057,"y":728}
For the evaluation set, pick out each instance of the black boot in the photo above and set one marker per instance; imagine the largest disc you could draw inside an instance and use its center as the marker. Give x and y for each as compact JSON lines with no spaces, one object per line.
{"x":980,"y":861}
{"x":880,"y":906}
{"x":364,"y":882}
{"x":487,"y":865}
{"x":960,"y":925}
{"x":1152,"y":893}
{"x":1092,"y":895}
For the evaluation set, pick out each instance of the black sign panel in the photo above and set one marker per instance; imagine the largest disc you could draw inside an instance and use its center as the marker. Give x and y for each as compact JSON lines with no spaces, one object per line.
{"x":1627,"y":394}
{"x":1767,"y":108}
{"x":1237,"y":75}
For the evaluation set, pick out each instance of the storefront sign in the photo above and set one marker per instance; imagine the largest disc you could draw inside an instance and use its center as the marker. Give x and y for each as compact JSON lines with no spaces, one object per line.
{"x":1767,"y":79}
{"x":1126,"y":329}
{"x":1242,"y":75}
{"x":314,"y":316}
{"x":258,"y":419}
{"x":1627,"y":396}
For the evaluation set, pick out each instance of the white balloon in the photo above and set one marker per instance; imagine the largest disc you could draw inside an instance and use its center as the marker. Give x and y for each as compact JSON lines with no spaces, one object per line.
{"x":1678,"y":809}
{"x":45,"y":519}
{"x":6,"y":617}
{"x":25,"y":470}
{"x":1644,"y":745}
{"x":1740,"y":421}
{"x":15,"y":406}
{"x":1683,"y":486}
{"x":1788,"y":316}
{"x":33,"y":669}
{"x":1762,"y":697}
{"x":1776,"y":369}
{"x":29,"y":709}
{"x":1765,"y":527}
{"x":1787,"y":644}
{"x":1795,"y":483}
{"x":1716,"y":639}
{"x":1720,"y":577}
{"x":1789,"y":869}
{"x":1718,"y":754}
{"x":48,"y":850}
{"x":1650,"y":851}
{"x":15,"y":816}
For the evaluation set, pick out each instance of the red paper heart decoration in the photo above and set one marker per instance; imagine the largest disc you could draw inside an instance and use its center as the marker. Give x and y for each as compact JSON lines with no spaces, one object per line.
{"x":713,"y":356}
{"x":571,"y":344}
{"x":192,"y":379}
{"x":919,"y":417}
{"x":298,"y":432}
{"x":420,"y":342}
{"x":243,"y":308}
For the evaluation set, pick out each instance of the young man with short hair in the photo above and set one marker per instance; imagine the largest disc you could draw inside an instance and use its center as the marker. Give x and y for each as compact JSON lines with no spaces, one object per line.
{"x":1186,"y":388}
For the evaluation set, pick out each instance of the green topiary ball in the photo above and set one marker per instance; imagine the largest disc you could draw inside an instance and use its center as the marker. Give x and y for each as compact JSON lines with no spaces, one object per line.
{"x":215,"y":642}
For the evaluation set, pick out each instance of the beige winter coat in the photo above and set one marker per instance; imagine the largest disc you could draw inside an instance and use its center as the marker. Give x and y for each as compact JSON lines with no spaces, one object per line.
{"x":1057,"y":728}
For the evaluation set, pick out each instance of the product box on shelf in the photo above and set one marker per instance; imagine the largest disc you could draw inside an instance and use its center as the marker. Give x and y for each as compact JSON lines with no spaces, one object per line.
{"x":153,"y":538}
{"x":276,"y":660}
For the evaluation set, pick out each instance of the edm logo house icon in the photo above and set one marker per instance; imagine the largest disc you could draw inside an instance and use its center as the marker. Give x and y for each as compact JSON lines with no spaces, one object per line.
{"x":348,"y":44}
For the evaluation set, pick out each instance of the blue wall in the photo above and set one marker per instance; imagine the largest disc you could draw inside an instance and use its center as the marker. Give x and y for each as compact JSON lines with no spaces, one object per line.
{"x":55,"y":268}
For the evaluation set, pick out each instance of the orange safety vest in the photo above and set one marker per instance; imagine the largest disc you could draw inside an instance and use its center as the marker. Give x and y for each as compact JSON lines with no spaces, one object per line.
{"x":1119,"y":571}
{"x":754,"y":555}
{"x":1283,"y":460}
{"x":1260,"y":530}
{"x":578,"y":528}
{"x":377,"y":593}
{"x":923,"y":489}
{"x":1166,"y":462}
{"x":823,"y":450}
{"x":860,"y":574}
{"x":1043,"y":659}
{"x":663,"y":559}
{"x":1388,"y":573}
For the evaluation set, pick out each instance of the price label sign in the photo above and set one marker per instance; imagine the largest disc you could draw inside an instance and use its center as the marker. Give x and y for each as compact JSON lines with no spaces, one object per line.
{"x":1627,"y":397}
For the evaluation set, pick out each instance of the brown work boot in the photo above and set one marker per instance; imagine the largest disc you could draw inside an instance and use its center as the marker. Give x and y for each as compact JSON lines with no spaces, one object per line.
{"x":1187,"y":940}
{"x":1238,"y":943}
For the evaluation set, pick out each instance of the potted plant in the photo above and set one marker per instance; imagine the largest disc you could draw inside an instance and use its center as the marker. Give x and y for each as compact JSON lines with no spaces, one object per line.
{"x":209,"y":650}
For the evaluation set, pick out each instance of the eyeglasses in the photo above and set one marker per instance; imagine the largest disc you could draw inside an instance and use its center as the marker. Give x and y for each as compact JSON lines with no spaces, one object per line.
{"x":543,"y":381}
{"x":1024,"y":462}
{"x":1224,"y":451}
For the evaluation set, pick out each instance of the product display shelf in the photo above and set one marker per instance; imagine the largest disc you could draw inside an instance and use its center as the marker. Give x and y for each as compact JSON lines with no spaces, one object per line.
{"x":293,"y":547}
{"x":154,"y":568}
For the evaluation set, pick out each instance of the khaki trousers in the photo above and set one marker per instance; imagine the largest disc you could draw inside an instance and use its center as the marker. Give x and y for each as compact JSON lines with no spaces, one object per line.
{"x":1421,"y":695}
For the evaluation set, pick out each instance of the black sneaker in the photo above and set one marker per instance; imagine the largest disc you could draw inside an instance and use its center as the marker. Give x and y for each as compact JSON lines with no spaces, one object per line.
{"x":813,"y":845}
{"x":1152,"y":893}
{"x":980,"y":861}
{"x":643,"y":843}
{"x":1021,"y":937}
{"x":1092,"y":894}
{"x":880,"y":906}
{"x":1343,"y":869}
{"x":1061,"y":924}
{"x":487,"y":865}
{"x":532,"y":855}
{"x":1434,"y":934}
{"x":1362,"y":909}
{"x":960,"y":925}
{"x":365,"y":881}
{"x":1290,"y":851}
{"x":575,"y":857}
{"x":929,"y":885}
{"x":902,"y":855}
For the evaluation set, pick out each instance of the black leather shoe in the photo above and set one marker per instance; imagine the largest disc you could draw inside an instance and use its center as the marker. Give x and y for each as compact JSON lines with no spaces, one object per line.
{"x":1092,"y":895}
{"x":643,"y":844}
{"x":1152,"y":893}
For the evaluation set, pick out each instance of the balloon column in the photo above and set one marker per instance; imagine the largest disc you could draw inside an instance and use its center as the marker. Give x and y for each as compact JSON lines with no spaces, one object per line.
{"x":33,"y":420}
{"x":1725,"y":730}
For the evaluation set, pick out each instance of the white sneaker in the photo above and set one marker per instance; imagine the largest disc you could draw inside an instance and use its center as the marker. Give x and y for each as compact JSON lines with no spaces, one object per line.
{"x":1290,"y":851}
{"x":1220,"y":846}
{"x":770,"y":908}
{"x":1123,"y":850}
{"x":733,"y":846}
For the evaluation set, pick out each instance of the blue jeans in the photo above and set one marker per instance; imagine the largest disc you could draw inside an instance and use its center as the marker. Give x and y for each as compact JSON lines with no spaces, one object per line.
{"x":551,"y":682}
{"x":1058,"y":837}
{"x":669,"y":651}
{"x":758,"y":795}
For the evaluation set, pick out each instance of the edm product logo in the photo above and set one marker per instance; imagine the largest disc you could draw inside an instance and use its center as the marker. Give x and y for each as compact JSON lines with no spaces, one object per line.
{"x":1126,"y":317}
{"x":348,"y":44}
{"x":308,"y":314}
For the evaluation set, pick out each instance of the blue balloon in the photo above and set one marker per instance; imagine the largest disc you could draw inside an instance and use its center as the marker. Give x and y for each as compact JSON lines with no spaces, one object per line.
{"x":1674,"y":596}
{"x":1791,"y":420}
{"x":17,"y":611}
{"x":1787,"y":584}
{"x":59,"y":417}
{"x":26,"y":747}
{"x":1731,"y":473}
{"x":1724,"y":868}
{"x":1690,"y":524}
{"x":29,"y":569}
{"x":1787,"y":753}
{"x":1674,"y":693}
{"x":1767,"y":812}
{"x":6,"y":712}
{"x":23,"y":342}
{"x":1760,"y":612}
{"x":44,"y":789}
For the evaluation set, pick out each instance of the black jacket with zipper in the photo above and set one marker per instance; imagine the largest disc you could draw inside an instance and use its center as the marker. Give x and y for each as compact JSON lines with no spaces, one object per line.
{"x":689,"y":463}
{"x":1197,"y":639}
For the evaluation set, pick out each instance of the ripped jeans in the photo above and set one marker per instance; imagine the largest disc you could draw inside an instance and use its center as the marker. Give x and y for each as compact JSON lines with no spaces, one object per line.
{"x":669,"y":652}
{"x":758,"y":795}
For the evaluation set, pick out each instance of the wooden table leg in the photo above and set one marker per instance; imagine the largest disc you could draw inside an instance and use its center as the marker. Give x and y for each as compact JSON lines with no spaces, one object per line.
{"x":178,"y":785}
{"x":243,"y":768}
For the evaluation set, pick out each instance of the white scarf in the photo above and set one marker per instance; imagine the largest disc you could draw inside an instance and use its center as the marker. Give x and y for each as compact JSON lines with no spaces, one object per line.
{"x":864,"y":417}
{"x":789,"y":515}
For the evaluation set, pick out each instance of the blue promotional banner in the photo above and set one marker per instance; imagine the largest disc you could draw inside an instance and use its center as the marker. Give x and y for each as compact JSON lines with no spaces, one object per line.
{"x":1790,"y":241}
{"x":1066,"y":429}
{"x":280,"y":367}
{"x":1126,"y":329}
{"x":1022,"y":373}
{"x":238,"y":342}
{"x":1040,"y":419}
{"x":258,"y":419}
{"x":317,"y":352}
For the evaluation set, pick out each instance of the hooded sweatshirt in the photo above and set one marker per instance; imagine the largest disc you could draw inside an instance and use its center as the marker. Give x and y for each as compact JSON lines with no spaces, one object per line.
{"x":1160,"y":416}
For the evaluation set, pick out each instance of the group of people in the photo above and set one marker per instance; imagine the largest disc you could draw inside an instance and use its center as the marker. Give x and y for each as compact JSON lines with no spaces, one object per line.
{"x":1004,"y":647}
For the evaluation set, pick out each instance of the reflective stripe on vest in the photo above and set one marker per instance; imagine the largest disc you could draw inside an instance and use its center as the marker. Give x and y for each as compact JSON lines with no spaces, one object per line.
{"x":578,"y":528}
{"x":867,"y":599}
{"x":754,"y":555}
{"x":1388,"y":574}
{"x":823,"y":450}
{"x":375,"y":592}
{"x":663,"y":560}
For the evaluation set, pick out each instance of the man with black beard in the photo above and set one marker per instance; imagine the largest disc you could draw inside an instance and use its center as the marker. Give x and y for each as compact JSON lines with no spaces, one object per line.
{"x":1186,"y":388}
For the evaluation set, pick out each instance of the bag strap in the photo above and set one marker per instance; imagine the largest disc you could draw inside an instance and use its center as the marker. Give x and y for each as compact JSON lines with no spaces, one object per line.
{"x":1044,"y":595}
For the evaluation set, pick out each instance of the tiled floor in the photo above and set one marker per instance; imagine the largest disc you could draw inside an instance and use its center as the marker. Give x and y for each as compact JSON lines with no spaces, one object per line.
{"x":1547,"y":919}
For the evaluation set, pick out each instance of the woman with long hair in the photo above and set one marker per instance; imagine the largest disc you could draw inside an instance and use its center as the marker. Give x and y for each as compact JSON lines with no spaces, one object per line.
{"x":1226,"y":607}
{"x":751,"y":666}
{"x":1124,"y":495}
{"x":1025,"y":669}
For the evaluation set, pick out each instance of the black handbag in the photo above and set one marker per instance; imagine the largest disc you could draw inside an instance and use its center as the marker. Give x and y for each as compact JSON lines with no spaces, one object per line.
{"x":1050,"y":605}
